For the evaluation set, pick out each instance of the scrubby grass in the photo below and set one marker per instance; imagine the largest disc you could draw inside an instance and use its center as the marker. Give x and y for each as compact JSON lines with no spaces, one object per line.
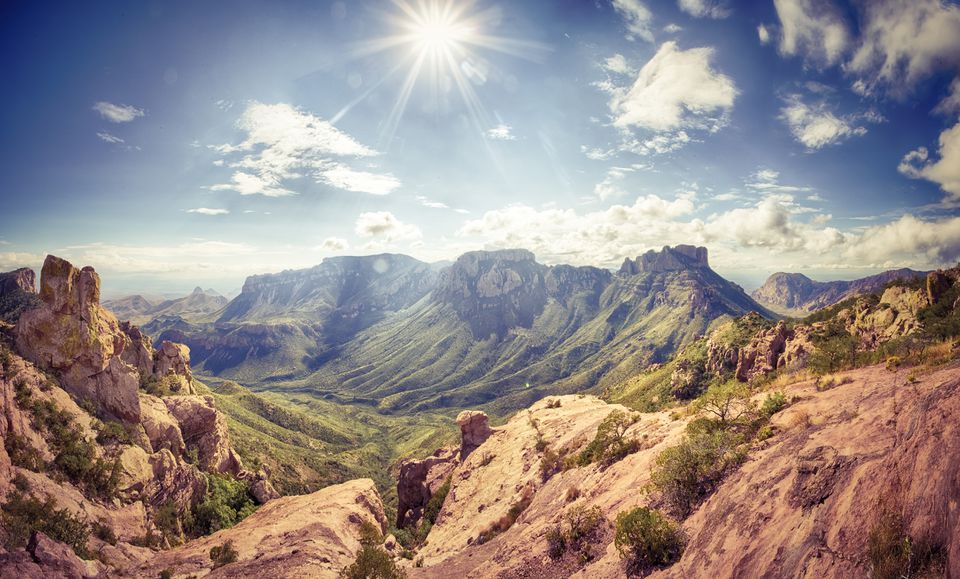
{"x":22,"y":515}
{"x":647,"y":539}
{"x":894,"y":554}
{"x":576,"y":533}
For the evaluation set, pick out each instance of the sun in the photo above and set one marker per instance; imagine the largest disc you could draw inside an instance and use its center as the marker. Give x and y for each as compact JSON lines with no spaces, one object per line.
{"x":440,"y":44}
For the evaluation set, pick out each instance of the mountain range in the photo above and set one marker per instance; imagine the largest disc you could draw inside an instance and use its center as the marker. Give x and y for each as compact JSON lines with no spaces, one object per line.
{"x":495,"y":328}
{"x":795,"y":294}
{"x":139,"y":309}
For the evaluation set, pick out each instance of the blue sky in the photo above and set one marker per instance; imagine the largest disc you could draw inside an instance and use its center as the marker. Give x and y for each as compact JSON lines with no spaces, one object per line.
{"x":171,"y":144}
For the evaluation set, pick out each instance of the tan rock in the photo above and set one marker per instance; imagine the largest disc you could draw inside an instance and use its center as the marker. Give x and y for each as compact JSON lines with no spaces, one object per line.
{"x":58,"y":560}
{"x":313,"y":535}
{"x":418,"y":480}
{"x":176,"y":482}
{"x":136,"y":474}
{"x":161,"y":426}
{"x":474,"y":430}
{"x":204,"y":429}
{"x":138,"y":351}
{"x":762,"y":355}
{"x":173,"y":362}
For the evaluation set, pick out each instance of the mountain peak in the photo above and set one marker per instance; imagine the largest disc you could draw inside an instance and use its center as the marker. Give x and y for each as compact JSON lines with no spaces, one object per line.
{"x":677,"y":258}
{"x":198,"y":290}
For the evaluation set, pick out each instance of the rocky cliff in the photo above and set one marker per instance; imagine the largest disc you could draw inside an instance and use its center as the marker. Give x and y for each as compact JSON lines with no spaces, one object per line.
{"x":679,"y":258}
{"x":797,"y":294}
{"x":17,"y":293}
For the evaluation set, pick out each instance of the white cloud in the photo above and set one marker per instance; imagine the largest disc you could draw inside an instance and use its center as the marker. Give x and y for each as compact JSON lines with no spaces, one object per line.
{"x":610,"y":186}
{"x":675,"y":89}
{"x":763,"y":33}
{"x":950,"y":105}
{"x":767,"y":181}
{"x":672,"y":28}
{"x":618,"y":64}
{"x":704,"y":8}
{"x":431,"y":204}
{"x":208,"y":211}
{"x":108,"y":138}
{"x":945,"y":171}
{"x":117,"y":113}
{"x":904,"y":42}
{"x":812,"y":28}
{"x":909,"y":241}
{"x":815,"y":125}
{"x":597,"y":154}
{"x":343,"y":177}
{"x":385,"y":227}
{"x":333,"y":244}
{"x":249,"y":184}
{"x":283,"y":143}
{"x":659,"y":144}
{"x":501,"y":132}
{"x":637,"y":16}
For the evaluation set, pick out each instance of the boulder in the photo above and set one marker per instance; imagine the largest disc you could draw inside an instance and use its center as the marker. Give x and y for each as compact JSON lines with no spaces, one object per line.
{"x":138,"y":351}
{"x":136,"y":474}
{"x":937,"y":284}
{"x":175,"y":482}
{"x":763,"y":353}
{"x":418,"y":480}
{"x":205,"y":430}
{"x":172,"y":361}
{"x":57,"y":559}
{"x":474,"y":430}
{"x":162,"y":428}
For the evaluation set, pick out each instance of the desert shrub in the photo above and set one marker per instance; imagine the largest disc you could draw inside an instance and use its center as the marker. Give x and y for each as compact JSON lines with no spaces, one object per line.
{"x":893,"y":363}
{"x":555,"y":403}
{"x":687,"y":473}
{"x":647,"y":538}
{"x":728,"y":402}
{"x":573,"y":493}
{"x":372,"y":562}
{"x":507,"y":521}
{"x":223,"y":554}
{"x":610,"y":444}
{"x":22,"y":454}
{"x":579,"y":533}
{"x":556,"y":542}
{"x":149,"y":540}
{"x":113,"y":432}
{"x":227,"y":502}
{"x":835,"y":350}
{"x":487,"y":458}
{"x":550,"y":464}
{"x":20,"y":482}
{"x":173,"y":524}
{"x":894,"y":554}
{"x":166,"y":573}
{"x":104,"y":532}
{"x":773,"y":403}
{"x":22,"y":515}
{"x":370,"y":534}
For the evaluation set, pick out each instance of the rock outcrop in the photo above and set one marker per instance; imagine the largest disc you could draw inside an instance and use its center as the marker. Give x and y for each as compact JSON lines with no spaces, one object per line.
{"x":763,"y":354}
{"x":18,"y":280}
{"x":678,"y":258}
{"x":204,"y":430}
{"x":313,"y":535}
{"x":474,"y":430}
{"x":172,"y":363}
{"x":418,"y":480}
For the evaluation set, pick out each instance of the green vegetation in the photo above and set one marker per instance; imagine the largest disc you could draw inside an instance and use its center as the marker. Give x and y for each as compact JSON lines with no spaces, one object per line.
{"x":22,"y":515}
{"x":372,"y":562}
{"x":894,"y":554}
{"x":773,"y":403}
{"x":227,"y":502}
{"x":647,"y":539}
{"x":610,"y":444}
{"x":113,"y":432}
{"x":576,"y":533}
{"x":223,"y":554}
{"x":728,"y":402}
{"x":507,"y":521}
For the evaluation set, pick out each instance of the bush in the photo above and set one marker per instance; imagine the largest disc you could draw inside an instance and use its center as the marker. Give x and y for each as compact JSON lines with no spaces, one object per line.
{"x":728,"y":402}
{"x":22,"y":515}
{"x":104,"y":532}
{"x":370,"y":534}
{"x":507,"y":521}
{"x":894,"y":554}
{"x":113,"y":432}
{"x":582,"y":525}
{"x":647,"y":538}
{"x":775,"y":402}
{"x":227,"y":502}
{"x":373,"y":562}
{"x":223,"y":554}
{"x":22,"y":454}
{"x":893,"y":363}
{"x":556,"y":542}
{"x":687,"y":473}
{"x":432,"y":510}
{"x":610,"y":444}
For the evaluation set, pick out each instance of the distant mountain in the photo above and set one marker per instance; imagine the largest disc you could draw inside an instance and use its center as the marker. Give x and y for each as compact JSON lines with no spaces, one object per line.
{"x":797,"y":294}
{"x":495,"y":328}
{"x":196,"y":306}
{"x":17,"y":293}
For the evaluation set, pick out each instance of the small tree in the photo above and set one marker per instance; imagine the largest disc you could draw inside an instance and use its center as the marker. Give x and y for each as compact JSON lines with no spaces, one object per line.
{"x":728,"y":402}
{"x":648,"y":538}
{"x":610,"y":444}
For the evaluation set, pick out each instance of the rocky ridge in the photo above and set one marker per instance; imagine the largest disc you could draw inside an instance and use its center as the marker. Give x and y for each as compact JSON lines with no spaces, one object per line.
{"x":797,"y":294}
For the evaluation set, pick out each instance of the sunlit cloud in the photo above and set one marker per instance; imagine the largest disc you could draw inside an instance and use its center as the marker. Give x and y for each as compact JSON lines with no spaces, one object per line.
{"x":118,"y":113}
{"x":109,"y":138}
{"x":208,"y":211}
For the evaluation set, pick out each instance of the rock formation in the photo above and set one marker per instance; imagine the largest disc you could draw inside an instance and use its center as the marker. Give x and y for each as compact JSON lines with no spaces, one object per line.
{"x":797,"y":294}
{"x":22,"y":279}
{"x":678,"y":258}
{"x":762,"y":355}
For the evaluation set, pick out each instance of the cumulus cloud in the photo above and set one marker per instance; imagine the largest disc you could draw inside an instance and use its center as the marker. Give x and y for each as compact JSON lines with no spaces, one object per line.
{"x":637,"y":17}
{"x":501,"y":132}
{"x":704,"y":8}
{"x":945,"y":171}
{"x":812,"y":28}
{"x":109,"y":138}
{"x":815,"y":125}
{"x":385,"y":227}
{"x":117,"y":113}
{"x":283,"y":143}
{"x":950,"y":105}
{"x":909,"y":240}
{"x":618,"y":64}
{"x":904,"y":42}
{"x":208,"y":211}
{"x":763,"y":33}
{"x":333,"y":244}
{"x":676,"y":89}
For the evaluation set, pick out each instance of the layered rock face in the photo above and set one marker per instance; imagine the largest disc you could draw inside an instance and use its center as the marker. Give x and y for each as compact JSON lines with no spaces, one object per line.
{"x":313,"y":535}
{"x":22,"y":279}
{"x":680,"y":257}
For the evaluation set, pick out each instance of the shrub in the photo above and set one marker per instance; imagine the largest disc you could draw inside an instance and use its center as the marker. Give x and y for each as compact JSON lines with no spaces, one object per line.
{"x":22,"y":515}
{"x":227,"y":502}
{"x":774,"y":402}
{"x":687,"y":473}
{"x":550,"y":464}
{"x":113,"y":432}
{"x":573,"y":493}
{"x":370,"y":534}
{"x":647,"y":538}
{"x":432,"y":510}
{"x":22,"y":454}
{"x":507,"y":521}
{"x":894,"y":554}
{"x":104,"y":532}
{"x":893,"y":363}
{"x":728,"y":402}
{"x":555,"y":403}
{"x":610,"y":444}
{"x":223,"y":554}
{"x":556,"y":542}
{"x":373,"y":562}
{"x":166,"y":573}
